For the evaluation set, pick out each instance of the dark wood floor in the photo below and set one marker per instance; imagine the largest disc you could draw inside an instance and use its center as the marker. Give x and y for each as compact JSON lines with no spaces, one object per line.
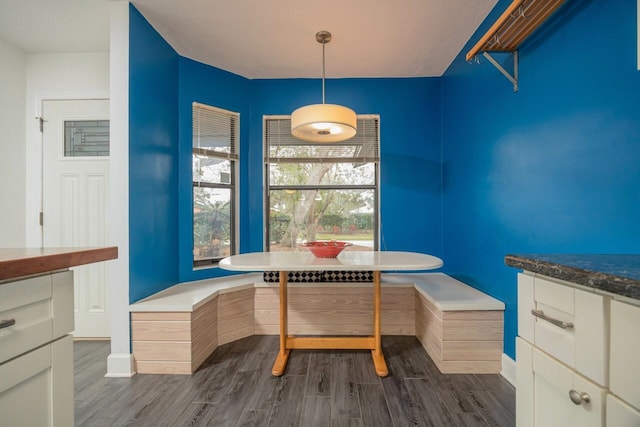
{"x":320,"y":388}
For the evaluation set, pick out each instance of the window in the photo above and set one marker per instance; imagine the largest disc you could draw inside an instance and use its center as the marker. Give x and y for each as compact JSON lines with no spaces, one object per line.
{"x":321,"y":191}
{"x":214,"y":160}
{"x":86,"y":138}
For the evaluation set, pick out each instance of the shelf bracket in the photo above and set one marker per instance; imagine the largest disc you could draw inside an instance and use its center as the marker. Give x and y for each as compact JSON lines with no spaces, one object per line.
{"x":512,"y":78}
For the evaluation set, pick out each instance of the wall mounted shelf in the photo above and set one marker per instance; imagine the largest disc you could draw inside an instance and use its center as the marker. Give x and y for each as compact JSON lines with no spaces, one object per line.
{"x":513,"y":27}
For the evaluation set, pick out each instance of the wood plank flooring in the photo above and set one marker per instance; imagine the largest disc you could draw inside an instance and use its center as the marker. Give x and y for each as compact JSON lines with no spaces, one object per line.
{"x":327,"y":388}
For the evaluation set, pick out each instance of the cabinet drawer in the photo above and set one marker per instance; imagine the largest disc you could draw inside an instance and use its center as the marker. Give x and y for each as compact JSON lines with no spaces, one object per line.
{"x":568,"y":323}
{"x":28,"y":304}
{"x":625,"y":347}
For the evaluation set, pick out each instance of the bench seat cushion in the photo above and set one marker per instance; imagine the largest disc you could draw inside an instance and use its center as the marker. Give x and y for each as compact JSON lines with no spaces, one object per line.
{"x":447,"y":293}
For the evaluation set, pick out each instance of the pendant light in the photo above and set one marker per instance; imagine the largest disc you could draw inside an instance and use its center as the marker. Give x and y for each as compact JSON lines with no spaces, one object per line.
{"x":323,"y":122}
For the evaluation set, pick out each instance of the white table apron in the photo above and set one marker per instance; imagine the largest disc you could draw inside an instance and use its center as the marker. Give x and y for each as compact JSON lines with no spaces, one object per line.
{"x":375,"y":261}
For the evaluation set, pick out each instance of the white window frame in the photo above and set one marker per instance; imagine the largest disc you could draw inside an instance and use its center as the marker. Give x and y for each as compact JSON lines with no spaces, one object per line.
{"x":374,"y":119}
{"x":233,"y":185}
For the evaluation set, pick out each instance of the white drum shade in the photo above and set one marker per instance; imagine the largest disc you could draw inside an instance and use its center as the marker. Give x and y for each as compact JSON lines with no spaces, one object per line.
{"x":323,"y":123}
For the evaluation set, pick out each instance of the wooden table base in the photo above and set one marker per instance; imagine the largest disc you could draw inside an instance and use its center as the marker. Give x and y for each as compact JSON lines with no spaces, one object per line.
{"x":373,"y":343}
{"x":379,"y":363}
{"x":281,"y":363}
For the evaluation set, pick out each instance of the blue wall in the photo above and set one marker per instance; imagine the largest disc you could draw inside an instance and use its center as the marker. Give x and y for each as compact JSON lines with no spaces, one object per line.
{"x":211,"y":86}
{"x":153,"y":160}
{"x":410,"y":178}
{"x":163,"y":87}
{"x":553,"y":168}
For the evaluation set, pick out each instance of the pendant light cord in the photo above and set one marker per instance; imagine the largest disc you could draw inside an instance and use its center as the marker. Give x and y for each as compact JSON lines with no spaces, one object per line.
{"x":323,"y":43}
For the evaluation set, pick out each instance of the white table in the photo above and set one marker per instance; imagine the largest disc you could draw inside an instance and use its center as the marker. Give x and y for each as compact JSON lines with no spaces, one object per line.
{"x":375,"y":261}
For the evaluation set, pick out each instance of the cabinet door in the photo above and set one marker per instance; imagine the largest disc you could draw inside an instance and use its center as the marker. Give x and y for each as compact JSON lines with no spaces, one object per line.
{"x":542,"y":393}
{"x":625,"y":347}
{"x":36,"y":389}
{"x":553,"y":382}
{"x":524,"y":384}
{"x":619,"y":414}
{"x":25,"y":389}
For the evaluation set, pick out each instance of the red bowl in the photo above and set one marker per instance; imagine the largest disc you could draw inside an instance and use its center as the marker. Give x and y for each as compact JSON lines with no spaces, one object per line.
{"x":326,"y":249}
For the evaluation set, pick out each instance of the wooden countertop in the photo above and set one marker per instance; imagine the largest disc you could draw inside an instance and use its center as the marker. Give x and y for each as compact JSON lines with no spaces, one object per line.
{"x":19,"y":262}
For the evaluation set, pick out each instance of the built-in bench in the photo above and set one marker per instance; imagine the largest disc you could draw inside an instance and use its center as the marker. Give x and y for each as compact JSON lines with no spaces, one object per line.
{"x":460,"y":327}
{"x":175,"y":330}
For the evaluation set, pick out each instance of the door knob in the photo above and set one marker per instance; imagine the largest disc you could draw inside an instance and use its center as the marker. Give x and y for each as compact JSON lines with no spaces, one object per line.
{"x":578,"y":398}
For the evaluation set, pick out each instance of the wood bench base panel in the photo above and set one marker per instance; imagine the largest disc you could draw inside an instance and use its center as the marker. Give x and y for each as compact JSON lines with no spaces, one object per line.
{"x":174,"y":342}
{"x":315,"y":310}
{"x":179,"y":342}
{"x":235,"y":315}
{"x":468,"y":342}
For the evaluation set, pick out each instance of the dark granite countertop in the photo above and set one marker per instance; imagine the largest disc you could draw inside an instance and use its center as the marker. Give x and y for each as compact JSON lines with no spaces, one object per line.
{"x":613,"y":273}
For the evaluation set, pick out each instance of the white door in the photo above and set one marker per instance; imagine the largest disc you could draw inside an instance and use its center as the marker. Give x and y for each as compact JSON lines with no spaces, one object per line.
{"x":75,"y":172}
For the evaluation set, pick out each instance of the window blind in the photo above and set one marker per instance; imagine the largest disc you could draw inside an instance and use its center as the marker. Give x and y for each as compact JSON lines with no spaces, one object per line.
{"x":282,"y":147}
{"x":215,"y":132}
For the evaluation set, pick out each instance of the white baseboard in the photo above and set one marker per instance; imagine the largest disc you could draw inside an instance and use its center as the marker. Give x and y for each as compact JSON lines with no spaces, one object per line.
{"x":508,"y":369}
{"x":120,"y":365}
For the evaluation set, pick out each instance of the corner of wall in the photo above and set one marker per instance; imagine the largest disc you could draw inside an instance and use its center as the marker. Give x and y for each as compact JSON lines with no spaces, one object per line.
{"x":119,"y":362}
{"x":120,"y":366}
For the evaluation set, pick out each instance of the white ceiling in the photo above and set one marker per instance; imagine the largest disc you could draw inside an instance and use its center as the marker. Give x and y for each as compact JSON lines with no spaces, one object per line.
{"x":48,"y":26}
{"x":267,"y":38}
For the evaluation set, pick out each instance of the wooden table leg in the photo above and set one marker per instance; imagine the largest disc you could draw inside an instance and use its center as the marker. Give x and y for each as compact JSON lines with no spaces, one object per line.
{"x":283,"y":354}
{"x":378,"y":358}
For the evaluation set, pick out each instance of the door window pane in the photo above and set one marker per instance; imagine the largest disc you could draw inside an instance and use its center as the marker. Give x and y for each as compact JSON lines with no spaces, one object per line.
{"x":86,"y":138}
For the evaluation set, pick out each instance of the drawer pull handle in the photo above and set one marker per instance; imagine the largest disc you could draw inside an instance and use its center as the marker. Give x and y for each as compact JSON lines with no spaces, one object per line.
{"x":559,"y":323}
{"x":7,"y":323}
{"x":577,"y":397}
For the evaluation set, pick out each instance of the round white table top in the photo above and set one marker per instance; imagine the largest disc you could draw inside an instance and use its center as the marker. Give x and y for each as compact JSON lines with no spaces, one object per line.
{"x":347,"y":260}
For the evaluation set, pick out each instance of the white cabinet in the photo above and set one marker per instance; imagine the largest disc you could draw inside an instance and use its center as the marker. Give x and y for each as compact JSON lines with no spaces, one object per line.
{"x":562,"y":397}
{"x":620,"y":414}
{"x":625,"y":350}
{"x":36,"y":351}
{"x":569,"y":324}
{"x":576,"y":357}
{"x":27,"y":394}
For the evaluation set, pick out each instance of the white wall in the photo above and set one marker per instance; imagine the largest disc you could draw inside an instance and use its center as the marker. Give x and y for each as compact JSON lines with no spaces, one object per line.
{"x":55,"y":76}
{"x":12,"y":146}
{"x":27,"y":80}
